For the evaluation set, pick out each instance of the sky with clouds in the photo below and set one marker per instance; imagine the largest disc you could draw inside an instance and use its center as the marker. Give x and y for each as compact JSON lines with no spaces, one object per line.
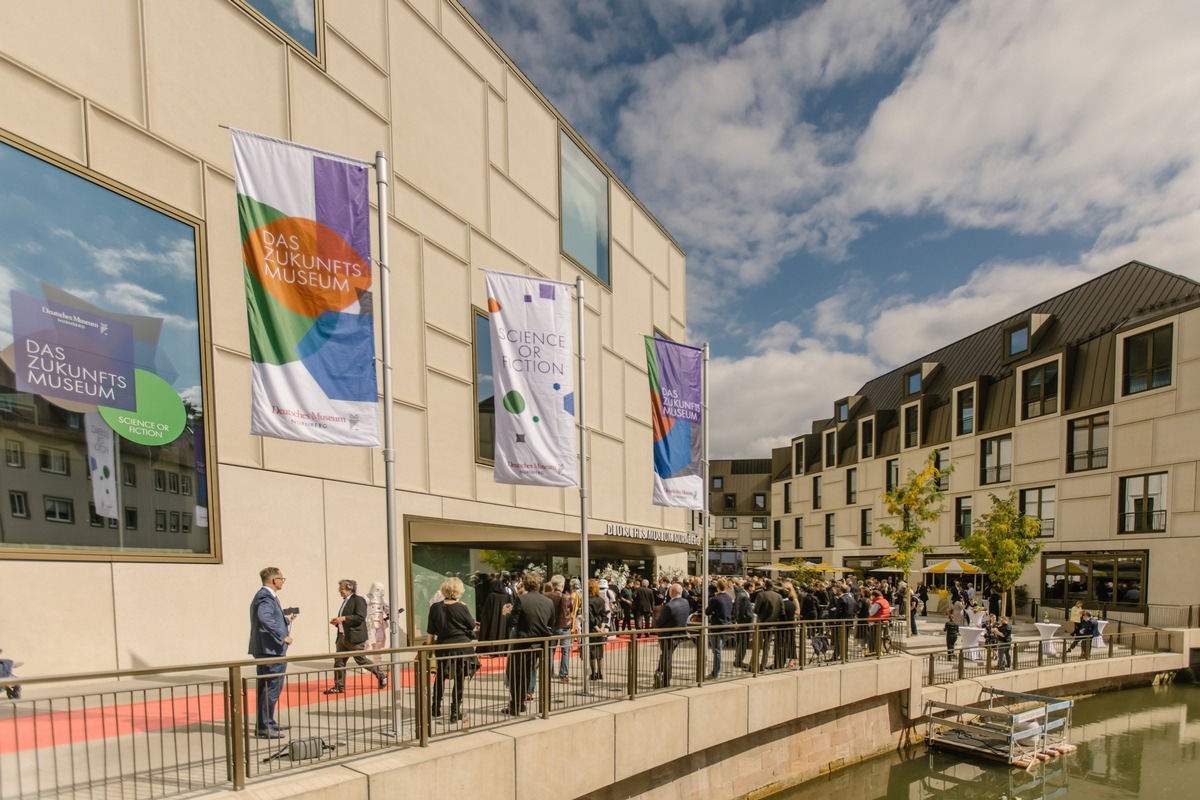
{"x":859,"y":182}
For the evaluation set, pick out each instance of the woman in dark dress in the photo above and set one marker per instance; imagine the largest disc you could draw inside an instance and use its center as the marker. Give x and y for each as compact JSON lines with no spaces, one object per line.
{"x":493,"y":624}
{"x":450,"y":622}
{"x":596,"y":624}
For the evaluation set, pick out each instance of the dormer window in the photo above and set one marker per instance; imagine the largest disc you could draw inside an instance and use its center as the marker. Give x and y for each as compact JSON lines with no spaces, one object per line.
{"x":1016,"y":340}
{"x":798,"y":457}
{"x":842,"y":410}
{"x":912,"y":425}
{"x":831,"y":449}
{"x":1039,"y":390}
{"x":912,"y":382}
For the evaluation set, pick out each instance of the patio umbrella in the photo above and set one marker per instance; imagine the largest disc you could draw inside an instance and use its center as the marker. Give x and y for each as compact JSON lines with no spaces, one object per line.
{"x":1070,"y":568}
{"x":824,"y":566}
{"x":889,"y":570}
{"x":954,"y":566}
{"x":774,"y":567}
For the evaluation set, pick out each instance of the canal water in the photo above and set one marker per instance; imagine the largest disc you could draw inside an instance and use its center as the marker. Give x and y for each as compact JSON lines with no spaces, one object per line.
{"x":1142,"y":743}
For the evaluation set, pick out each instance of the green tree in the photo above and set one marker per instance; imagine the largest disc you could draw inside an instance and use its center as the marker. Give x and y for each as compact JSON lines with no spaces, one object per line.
{"x":918,"y":503}
{"x":1003,"y":544}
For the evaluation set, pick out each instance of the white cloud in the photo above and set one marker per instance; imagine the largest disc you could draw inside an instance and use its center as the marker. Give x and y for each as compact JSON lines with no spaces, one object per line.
{"x":173,"y":257}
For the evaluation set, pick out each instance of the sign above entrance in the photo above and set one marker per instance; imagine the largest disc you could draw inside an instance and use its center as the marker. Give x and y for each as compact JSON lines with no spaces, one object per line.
{"x":651,"y":534}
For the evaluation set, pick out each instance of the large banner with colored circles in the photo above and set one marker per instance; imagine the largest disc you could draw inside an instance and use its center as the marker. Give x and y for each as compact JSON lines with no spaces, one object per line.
{"x":677,"y":412}
{"x":532,"y":347}
{"x":306,"y":252}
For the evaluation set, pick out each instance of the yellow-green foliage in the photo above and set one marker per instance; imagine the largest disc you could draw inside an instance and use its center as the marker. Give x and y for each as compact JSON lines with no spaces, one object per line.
{"x":917,"y":502}
{"x":1004,"y":542}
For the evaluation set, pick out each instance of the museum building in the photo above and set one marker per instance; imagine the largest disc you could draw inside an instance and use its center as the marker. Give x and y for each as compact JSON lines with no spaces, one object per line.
{"x":119,"y":215}
{"x":1086,"y":406}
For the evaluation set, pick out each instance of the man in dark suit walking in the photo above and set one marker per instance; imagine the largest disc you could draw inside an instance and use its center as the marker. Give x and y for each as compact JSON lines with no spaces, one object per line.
{"x":768,"y":608}
{"x":673,"y":614}
{"x":269,"y":638}
{"x":351,"y":624}
{"x":643,"y":606}
{"x":532,"y":615}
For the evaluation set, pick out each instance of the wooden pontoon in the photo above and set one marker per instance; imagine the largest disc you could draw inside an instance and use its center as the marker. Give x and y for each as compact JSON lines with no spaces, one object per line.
{"x":1013,"y":727}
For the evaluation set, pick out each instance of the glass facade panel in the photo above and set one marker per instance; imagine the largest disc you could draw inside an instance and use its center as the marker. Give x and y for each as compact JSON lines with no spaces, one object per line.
{"x":584,"y":210}
{"x":296,"y":18}
{"x":100,"y":306}
{"x":485,"y":391}
{"x":1096,"y":578}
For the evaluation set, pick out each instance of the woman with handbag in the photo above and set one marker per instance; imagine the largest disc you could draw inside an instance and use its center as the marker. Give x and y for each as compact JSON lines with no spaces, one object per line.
{"x":597,"y":623}
{"x":450,"y":622}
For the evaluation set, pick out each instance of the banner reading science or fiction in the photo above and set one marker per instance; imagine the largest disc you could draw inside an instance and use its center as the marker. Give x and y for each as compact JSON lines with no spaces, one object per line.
{"x":306,"y":249}
{"x":677,"y":409}
{"x":535,"y":388}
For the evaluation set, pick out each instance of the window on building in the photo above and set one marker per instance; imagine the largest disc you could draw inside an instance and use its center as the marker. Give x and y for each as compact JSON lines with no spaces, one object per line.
{"x":729,"y":523}
{"x":54,"y":461}
{"x":730,"y":502}
{"x":831,"y":449}
{"x":718,"y":483}
{"x":14,"y":453}
{"x":893,"y":474}
{"x":186,"y":524}
{"x":82,"y":218}
{"x":787,"y":498}
{"x":798,"y":458}
{"x":798,"y":533}
{"x":778,"y":534}
{"x":758,"y":545}
{"x":758,"y":523}
{"x":760,"y":500}
{"x":830,"y":531}
{"x":59,"y":509}
{"x":964,"y":411}
{"x":128,"y":474}
{"x":185,"y":485}
{"x":842,"y":411}
{"x":160,"y":480}
{"x":962,"y":517}
{"x":729,"y":543}
{"x":173,"y":482}
{"x":94,"y":519}
{"x":584,"y":209}
{"x":1016,"y":340}
{"x":173,"y":526}
{"x":1096,"y":578}
{"x":996,"y":459}
{"x":1039,"y":503}
{"x":816,"y":493}
{"x":1087,"y":443}
{"x":866,"y":527}
{"x":1147,"y":362}
{"x":485,"y":392}
{"x":1039,"y":390}
{"x":131,"y":518}
{"x":18,"y":504}
{"x":1144,"y":503}
{"x":295,"y":19}
{"x":160,"y":521}
{"x":851,"y":486}
{"x":912,"y":383}
{"x":866,"y":438}
{"x":941,"y":460}
{"x":912,"y":425}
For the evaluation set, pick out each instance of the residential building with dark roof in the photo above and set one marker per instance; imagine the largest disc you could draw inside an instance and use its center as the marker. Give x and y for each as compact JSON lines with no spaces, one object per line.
{"x":1086,"y":405}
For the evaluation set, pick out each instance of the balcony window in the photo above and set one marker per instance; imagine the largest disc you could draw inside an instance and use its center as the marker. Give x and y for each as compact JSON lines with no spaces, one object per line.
{"x":996,"y":461}
{"x":1039,"y":390}
{"x":759,"y":523}
{"x":1087,"y":443}
{"x":851,"y":486}
{"x":866,"y":527}
{"x":778,"y":533}
{"x":866,"y":438}
{"x":787,"y":498}
{"x":912,"y":426}
{"x":830,"y":532}
{"x":1039,"y":503}
{"x":962,"y":518}
{"x":730,"y":502}
{"x":893,"y":474}
{"x":798,"y":533}
{"x":831,"y":449}
{"x":816,"y":491}
{"x":729,"y":523}
{"x":941,"y":460}
{"x":964,"y":412}
{"x":1147,"y":363}
{"x":798,"y":458}
{"x":1144,"y":503}
{"x":758,"y":545}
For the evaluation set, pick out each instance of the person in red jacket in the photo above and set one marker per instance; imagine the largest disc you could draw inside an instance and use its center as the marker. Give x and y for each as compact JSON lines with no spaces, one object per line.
{"x":881,"y":612}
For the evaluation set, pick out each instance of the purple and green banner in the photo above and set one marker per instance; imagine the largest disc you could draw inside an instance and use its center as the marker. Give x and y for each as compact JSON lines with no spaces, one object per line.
{"x":677,"y":414}
{"x":306,"y":252}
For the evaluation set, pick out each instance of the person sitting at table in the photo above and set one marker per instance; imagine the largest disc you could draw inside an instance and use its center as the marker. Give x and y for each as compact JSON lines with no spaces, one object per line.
{"x":1087,"y":631}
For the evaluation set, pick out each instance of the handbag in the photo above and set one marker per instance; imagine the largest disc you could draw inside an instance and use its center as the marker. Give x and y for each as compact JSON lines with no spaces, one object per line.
{"x":473,"y":666}
{"x":304,"y":749}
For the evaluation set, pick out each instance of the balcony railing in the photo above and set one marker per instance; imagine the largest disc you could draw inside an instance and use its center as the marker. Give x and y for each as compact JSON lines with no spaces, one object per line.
{"x":996,"y":474}
{"x":1089,"y":459}
{"x":1144,"y":521}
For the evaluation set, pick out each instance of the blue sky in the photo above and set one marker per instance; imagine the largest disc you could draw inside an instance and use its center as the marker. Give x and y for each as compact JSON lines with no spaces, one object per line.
{"x":858,"y":182}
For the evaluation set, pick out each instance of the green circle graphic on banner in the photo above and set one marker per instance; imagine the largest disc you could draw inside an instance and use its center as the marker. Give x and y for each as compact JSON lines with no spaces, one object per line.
{"x":160,"y":416}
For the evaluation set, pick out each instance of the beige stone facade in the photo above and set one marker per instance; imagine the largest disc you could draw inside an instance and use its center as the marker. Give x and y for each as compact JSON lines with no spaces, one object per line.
{"x":1122,"y":509}
{"x":133,"y":94}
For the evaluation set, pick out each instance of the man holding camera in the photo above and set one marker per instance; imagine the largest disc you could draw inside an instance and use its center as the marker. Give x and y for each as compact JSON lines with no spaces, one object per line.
{"x":269,"y":638}
{"x":351,"y":624}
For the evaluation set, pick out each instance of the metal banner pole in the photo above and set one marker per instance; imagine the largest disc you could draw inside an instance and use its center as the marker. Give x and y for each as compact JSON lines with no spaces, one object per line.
{"x":705,"y":509}
{"x":389,"y":453}
{"x":585,"y":623}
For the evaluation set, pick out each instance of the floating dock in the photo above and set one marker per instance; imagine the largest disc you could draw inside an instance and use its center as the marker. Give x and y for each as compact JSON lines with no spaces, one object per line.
{"x":1015,"y":728}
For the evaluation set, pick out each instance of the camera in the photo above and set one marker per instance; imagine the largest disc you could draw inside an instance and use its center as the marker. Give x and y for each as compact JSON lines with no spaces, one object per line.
{"x":294,"y":611}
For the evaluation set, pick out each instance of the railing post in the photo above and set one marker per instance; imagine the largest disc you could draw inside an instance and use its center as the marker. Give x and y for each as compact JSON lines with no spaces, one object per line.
{"x":843,"y":641}
{"x":701,"y":652}
{"x":962,"y":666}
{"x":235,"y":729}
{"x":802,"y":645}
{"x":631,"y":670}
{"x":421,"y":698}
{"x":879,"y":638}
{"x":988,"y":652}
{"x":932,"y":661}
{"x":755,"y":647}
{"x":544,"y":673}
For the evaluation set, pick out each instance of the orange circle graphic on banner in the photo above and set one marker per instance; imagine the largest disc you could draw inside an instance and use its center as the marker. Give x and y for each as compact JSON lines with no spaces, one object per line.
{"x":307,"y":267}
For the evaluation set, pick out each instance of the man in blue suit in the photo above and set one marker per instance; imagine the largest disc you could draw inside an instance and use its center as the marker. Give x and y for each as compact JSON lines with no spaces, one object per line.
{"x":673,"y":614}
{"x":269,"y":638}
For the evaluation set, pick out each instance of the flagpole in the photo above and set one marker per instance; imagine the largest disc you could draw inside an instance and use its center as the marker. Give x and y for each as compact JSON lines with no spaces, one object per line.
{"x":585,"y":624}
{"x":705,"y":495}
{"x":389,"y":454}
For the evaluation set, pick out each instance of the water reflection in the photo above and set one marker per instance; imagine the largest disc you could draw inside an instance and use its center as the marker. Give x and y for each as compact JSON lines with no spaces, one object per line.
{"x":1133,"y":743}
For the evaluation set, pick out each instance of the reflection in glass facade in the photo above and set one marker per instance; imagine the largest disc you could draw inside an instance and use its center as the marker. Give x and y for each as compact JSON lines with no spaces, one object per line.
{"x":485,"y":400}
{"x":101,"y":410}
{"x":296,"y":18}
{"x":584,"y":210}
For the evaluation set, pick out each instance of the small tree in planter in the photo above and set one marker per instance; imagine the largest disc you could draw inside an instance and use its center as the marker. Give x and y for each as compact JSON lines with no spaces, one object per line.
{"x":1003,"y":544}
